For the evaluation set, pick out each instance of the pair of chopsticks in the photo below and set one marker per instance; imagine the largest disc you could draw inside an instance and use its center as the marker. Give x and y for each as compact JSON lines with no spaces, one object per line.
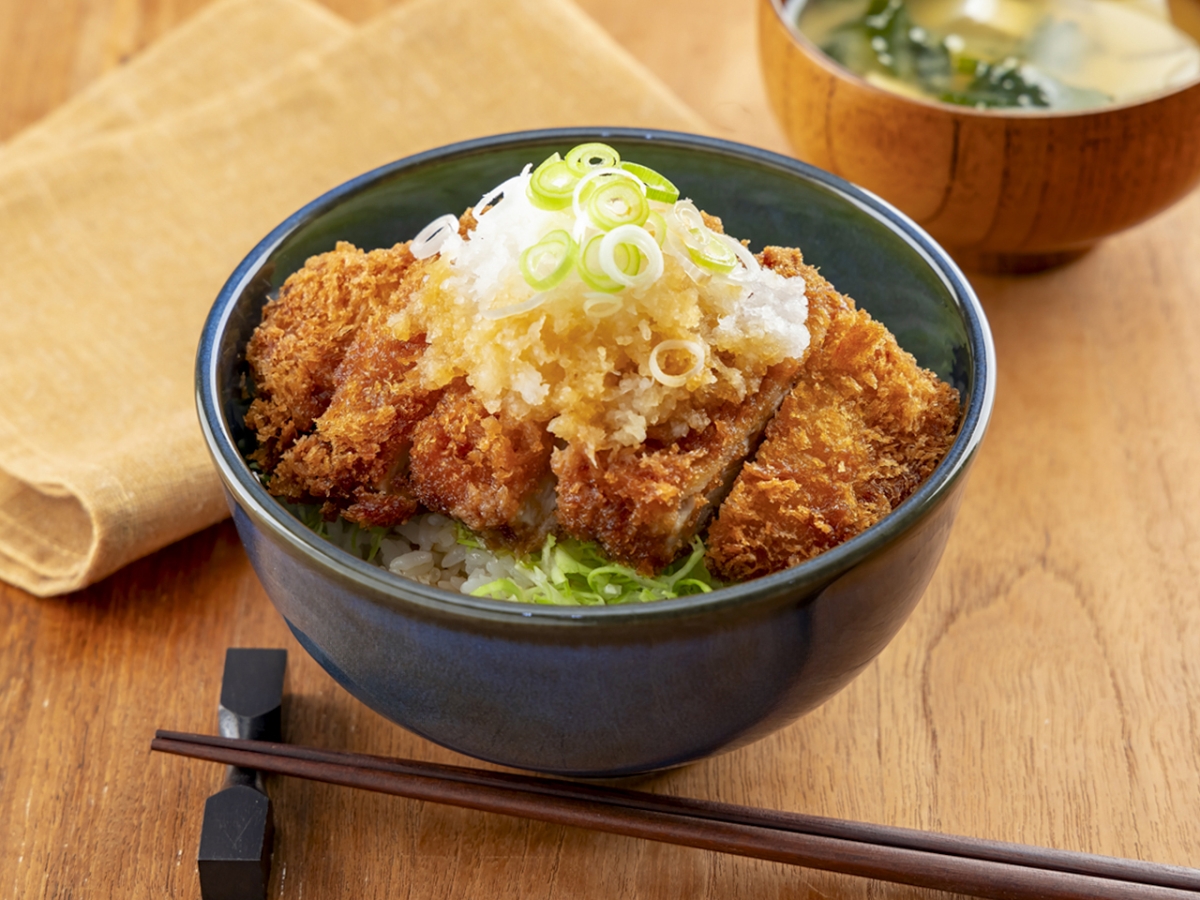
{"x":926,"y":859}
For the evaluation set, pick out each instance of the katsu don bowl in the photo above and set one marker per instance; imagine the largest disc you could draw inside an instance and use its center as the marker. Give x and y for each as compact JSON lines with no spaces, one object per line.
{"x":599,"y":689}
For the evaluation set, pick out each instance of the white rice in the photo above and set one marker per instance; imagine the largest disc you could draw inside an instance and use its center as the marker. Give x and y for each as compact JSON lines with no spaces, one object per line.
{"x":426,"y":549}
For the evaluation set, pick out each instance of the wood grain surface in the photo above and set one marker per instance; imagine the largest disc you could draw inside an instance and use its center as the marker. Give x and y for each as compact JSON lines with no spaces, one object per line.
{"x":1046,"y":690}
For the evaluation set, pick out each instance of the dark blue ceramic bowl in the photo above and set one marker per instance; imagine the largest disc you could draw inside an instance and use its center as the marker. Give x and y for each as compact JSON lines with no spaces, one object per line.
{"x":621,"y":690}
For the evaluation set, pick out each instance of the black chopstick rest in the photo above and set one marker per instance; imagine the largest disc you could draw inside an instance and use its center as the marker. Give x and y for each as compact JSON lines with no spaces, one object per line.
{"x":234,"y":859}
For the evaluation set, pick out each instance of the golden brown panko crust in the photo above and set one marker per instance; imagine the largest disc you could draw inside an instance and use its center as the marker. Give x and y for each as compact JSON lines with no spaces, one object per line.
{"x":343,"y":418}
{"x":352,"y":454}
{"x":488,"y":471}
{"x":340,"y":404}
{"x":864,"y":426}
{"x":644,"y":504}
{"x":305,"y":331}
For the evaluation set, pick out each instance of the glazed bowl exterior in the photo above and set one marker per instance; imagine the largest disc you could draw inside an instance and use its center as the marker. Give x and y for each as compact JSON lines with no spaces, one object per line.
{"x":627,"y":689}
{"x":1001,"y":190}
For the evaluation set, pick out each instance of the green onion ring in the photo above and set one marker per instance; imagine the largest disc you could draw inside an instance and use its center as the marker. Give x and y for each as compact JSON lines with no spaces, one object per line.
{"x":708,"y":251}
{"x":694,"y":348}
{"x":585,"y":157}
{"x":552,"y":184}
{"x":740,"y":251}
{"x":658,"y":186}
{"x":657,"y":226}
{"x":703,"y":245}
{"x":432,"y":237}
{"x":617,"y":201}
{"x":548,"y":261}
{"x":689,"y":217}
{"x":601,"y":306}
{"x":626,"y":259}
{"x":586,"y":186}
{"x":641,"y":245}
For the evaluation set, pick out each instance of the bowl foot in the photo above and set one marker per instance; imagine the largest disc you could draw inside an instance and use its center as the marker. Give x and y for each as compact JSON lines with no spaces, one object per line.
{"x":1014,"y":263}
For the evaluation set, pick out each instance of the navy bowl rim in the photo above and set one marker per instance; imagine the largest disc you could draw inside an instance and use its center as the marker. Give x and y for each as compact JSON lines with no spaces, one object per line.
{"x":380,"y":583}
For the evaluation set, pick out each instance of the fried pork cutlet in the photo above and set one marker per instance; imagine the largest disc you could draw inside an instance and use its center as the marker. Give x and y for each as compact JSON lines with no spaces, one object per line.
{"x":864,"y":426}
{"x":643,"y":504}
{"x":351,"y":414}
{"x":488,"y":471}
{"x":295,"y":352}
{"x":344,"y":419}
{"x":356,"y":456}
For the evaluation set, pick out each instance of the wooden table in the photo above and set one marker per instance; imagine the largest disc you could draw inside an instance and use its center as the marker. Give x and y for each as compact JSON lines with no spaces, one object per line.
{"x":1046,"y":690}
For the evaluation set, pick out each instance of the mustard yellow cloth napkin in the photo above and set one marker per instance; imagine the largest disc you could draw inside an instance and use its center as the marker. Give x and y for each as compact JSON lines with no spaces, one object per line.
{"x":52,"y":544}
{"x":225,"y":45}
{"x":112,"y":253}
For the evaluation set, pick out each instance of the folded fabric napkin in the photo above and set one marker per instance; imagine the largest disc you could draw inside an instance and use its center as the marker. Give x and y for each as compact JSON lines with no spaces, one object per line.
{"x":113,"y":250}
{"x":227,"y":44}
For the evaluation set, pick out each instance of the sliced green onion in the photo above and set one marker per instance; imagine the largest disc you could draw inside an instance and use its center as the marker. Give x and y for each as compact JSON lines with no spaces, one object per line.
{"x":585,"y":157}
{"x":658,"y":186}
{"x":657,"y":226}
{"x":548,"y":261}
{"x":625,"y":259}
{"x":601,"y":306}
{"x":586,"y":185}
{"x":704,"y":246}
{"x":740,"y":251}
{"x":708,"y":251}
{"x":552,"y":184}
{"x":638,"y":242}
{"x":689,"y":217}
{"x":432,"y":237}
{"x":692,"y":348}
{"x":617,"y":200}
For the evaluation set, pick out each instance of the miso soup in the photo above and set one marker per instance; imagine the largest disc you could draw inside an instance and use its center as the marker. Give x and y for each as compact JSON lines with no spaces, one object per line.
{"x":1022,"y":54}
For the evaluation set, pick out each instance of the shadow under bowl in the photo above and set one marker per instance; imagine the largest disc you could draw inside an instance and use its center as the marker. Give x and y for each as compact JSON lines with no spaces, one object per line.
{"x":1002,"y":191}
{"x":605,"y":692}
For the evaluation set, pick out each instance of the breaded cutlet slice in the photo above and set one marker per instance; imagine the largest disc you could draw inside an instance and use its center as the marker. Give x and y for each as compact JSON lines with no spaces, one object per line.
{"x":356,"y":456}
{"x":864,"y":426}
{"x":644,"y":504}
{"x":305,"y":331}
{"x":490,"y":472}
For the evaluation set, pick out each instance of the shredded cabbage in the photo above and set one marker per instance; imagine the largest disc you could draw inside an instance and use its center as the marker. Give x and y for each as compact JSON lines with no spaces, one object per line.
{"x":564,"y":572}
{"x":574,"y":573}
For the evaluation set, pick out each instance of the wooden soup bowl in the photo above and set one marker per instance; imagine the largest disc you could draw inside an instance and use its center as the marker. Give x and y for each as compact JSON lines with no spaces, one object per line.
{"x":1002,"y":191}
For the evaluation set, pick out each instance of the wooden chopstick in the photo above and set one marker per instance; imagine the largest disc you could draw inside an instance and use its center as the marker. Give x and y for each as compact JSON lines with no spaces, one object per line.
{"x":925,"y":859}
